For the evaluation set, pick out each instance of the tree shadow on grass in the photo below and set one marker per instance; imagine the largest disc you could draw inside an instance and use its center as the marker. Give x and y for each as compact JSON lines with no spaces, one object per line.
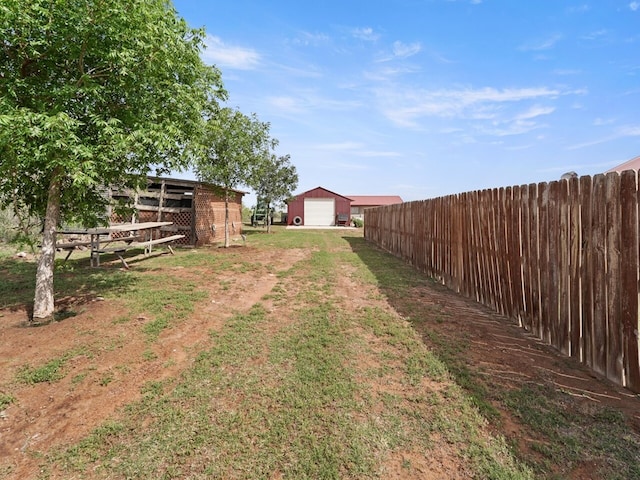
{"x":513,"y":379}
{"x":75,"y":283}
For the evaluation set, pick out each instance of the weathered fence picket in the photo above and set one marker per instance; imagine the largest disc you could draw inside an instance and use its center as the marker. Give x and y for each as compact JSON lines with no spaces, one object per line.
{"x":561,"y":258}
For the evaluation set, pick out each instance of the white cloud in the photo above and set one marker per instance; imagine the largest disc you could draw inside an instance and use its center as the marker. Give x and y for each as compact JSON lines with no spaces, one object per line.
{"x":405,"y":107}
{"x":516,"y":127}
{"x":400,"y":50}
{"x":340,"y":146}
{"x":599,"y":122}
{"x":634,"y":6}
{"x":307,"y":39}
{"x":566,"y":71}
{"x":373,"y":153}
{"x":535,"y":111}
{"x":286,"y":104}
{"x":308,"y":102}
{"x":579,"y":9}
{"x":230,"y":56}
{"x":629,"y":131}
{"x":403,"y":50}
{"x":366,"y":33}
{"x":356,"y":149}
{"x":595,"y":35}
{"x":621,"y":132}
{"x":543,"y":44}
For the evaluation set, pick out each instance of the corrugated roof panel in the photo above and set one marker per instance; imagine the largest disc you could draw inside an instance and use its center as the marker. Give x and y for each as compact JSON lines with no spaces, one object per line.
{"x":633,"y":164}
{"x":374,"y":200}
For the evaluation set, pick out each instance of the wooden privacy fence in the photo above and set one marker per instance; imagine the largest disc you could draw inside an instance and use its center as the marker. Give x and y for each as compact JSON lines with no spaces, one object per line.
{"x":562,"y":258}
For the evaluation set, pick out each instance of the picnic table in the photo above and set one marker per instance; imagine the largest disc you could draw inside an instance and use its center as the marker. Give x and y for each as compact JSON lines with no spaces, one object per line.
{"x":138,"y":235}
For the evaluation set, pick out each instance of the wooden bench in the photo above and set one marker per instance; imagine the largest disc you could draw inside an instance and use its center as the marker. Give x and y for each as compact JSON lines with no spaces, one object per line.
{"x":71,"y":246}
{"x":343,"y":219}
{"x":119,"y":250}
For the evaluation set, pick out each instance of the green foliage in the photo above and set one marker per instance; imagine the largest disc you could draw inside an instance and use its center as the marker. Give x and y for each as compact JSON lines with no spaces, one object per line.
{"x":358,"y":222}
{"x":19,"y":228}
{"x":49,"y":372}
{"x":6,"y":400}
{"x":274,"y":179}
{"x":231,"y":143}
{"x":94,"y":93}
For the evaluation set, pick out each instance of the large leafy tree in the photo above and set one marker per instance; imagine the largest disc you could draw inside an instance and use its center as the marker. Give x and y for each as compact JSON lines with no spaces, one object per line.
{"x":233,"y":142}
{"x":93,"y":93}
{"x":273,"y":179}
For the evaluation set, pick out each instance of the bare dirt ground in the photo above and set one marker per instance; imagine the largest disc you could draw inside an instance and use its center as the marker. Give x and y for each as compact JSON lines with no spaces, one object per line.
{"x":118,"y":363}
{"x":504,"y":357}
{"x":110,"y":374}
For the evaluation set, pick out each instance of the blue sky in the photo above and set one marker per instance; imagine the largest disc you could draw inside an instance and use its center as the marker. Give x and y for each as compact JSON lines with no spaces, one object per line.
{"x":424,"y":98}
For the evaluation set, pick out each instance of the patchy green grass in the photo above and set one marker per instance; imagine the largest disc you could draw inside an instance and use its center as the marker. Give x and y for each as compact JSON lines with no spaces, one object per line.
{"x":310,"y":383}
{"x":50,"y":371}
{"x":73,"y":279}
{"x":6,"y":400}
{"x":288,"y":393}
{"x":563,"y":436}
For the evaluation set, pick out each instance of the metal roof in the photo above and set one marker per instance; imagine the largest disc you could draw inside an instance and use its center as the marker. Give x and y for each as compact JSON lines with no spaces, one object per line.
{"x":374,"y":200}
{"x":633,"y":164}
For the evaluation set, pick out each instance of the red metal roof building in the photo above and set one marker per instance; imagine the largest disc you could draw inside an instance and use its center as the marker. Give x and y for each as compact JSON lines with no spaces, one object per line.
{"x":322,"y":207}
{"x":318,"y":207}
{"x":359,"y":203}
{"x":633,"y":164}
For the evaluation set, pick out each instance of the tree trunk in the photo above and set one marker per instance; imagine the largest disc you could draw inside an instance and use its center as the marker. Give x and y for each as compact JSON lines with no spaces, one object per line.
{"x":268,"y":218}
{"x":43,"y":305}
{"x":226,"y":218}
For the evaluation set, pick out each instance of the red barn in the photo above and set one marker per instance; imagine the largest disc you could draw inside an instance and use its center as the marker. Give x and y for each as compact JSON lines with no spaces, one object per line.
{"x":318,"y":207}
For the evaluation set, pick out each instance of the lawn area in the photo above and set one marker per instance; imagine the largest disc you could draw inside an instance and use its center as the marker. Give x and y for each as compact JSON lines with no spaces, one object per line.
{"x":296,"y":354}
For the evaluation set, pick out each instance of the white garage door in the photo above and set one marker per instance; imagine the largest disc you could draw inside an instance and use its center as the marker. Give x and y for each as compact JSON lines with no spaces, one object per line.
{"x":319,"y":211}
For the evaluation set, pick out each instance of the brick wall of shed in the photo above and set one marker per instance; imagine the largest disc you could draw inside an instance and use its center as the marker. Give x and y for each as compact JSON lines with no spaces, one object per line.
{"x":210,"y":213}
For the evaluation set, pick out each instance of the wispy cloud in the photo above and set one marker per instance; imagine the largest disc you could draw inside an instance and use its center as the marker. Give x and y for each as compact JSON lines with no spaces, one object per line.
{"x":599,"y":122}
{"x":579,"y":9}
{"x":515,"y":127}
{"x":405,"y":107}
{"x":634,"y":6}
{"x":307,"y":102}
{"x":566,"y":71}
{"x":388,"y":72}
{"x":357,"y":149}
{"x":376,"y":154}
{"x":339,"y":146}
{"x":308,"y":39}
{"x":229,"y":56}
{"x":535,"y":111}
{"x":596,"y":35}
{"x":620,"y":132}
{"x":541,"y":44}
{"x":404,"y":50}
{"x":286,"y":104}
{"x":400,"y":50}
{"x":366,"y":33}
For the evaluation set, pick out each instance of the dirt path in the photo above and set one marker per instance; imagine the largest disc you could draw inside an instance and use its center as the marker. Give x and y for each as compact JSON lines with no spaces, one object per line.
{"x":504,"y":360}
{"x":113,"y":360}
